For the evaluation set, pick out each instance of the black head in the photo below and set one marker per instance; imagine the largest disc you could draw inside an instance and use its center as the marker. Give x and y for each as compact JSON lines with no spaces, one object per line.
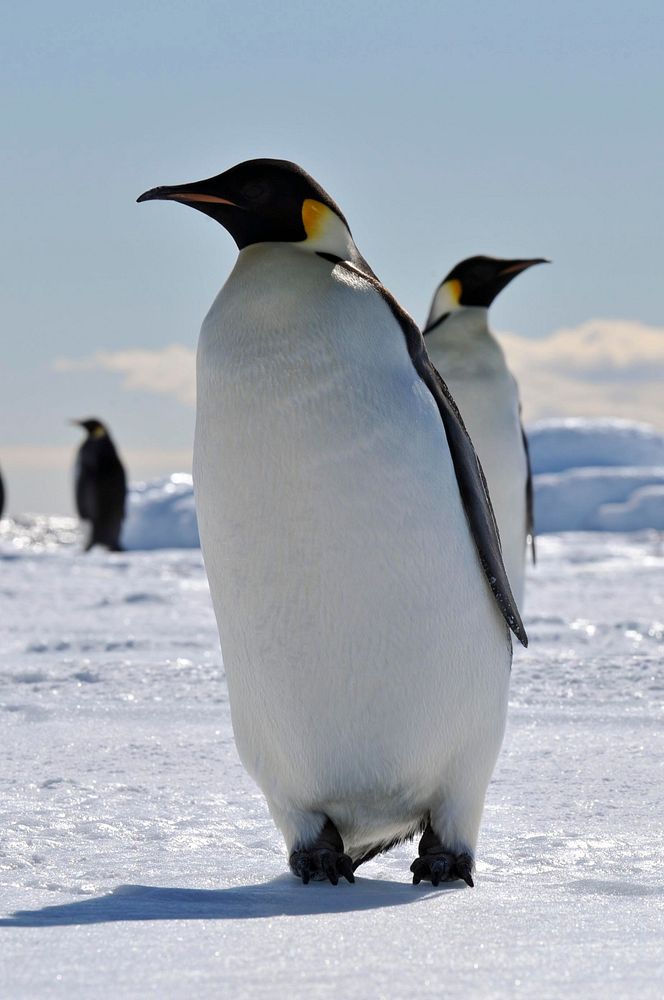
{"x":476,"y":281}
{"x":94,"y":427}
{"x":266,"y":201}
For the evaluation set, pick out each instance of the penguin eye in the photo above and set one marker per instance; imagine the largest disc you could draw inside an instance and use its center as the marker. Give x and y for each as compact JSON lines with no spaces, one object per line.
{"x":255,"y":191}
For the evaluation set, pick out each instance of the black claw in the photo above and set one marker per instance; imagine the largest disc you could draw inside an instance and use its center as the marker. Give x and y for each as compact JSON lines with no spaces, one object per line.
{"x":330,"y":868}
{"x":463,"y":868}
{"x":439,"y":871}
{"x":346,"y":868}
{"x":418,"y":869}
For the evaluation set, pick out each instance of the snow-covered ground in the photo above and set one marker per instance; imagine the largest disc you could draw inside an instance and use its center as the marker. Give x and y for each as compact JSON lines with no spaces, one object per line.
{"x":137,"y":859}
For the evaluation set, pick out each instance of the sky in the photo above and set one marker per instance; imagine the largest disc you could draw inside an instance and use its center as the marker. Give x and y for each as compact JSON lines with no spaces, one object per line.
{"x":442,"y":130}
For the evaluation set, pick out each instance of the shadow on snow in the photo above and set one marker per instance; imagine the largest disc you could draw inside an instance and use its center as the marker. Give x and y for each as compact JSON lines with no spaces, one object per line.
{"x":280,"y":897}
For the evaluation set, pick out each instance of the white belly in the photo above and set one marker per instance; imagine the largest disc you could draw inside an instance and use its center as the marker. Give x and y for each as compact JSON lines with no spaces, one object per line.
{"x":363,"y":649}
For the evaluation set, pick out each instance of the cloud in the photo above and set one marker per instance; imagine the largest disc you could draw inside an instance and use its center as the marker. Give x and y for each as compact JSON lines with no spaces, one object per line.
{"x":169,"y":371}
{"x":600,"y":368}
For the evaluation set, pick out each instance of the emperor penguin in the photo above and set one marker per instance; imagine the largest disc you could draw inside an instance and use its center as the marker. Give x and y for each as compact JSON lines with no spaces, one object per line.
{"x":353,"y":559}
{"x":100,"y":485}
{"x":470,"y":359}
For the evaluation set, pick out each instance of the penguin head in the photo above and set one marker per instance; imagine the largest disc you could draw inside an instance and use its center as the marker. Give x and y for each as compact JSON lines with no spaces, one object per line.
{"x":94,"y":427}
{"x":267,"y":201}
{"x":474,"y":282}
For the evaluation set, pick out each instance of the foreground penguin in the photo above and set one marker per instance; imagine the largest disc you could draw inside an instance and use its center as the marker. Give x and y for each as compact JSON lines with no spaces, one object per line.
{"x":100,"y":485}
{"x":471,"y":361}
{"x":348,"y":540}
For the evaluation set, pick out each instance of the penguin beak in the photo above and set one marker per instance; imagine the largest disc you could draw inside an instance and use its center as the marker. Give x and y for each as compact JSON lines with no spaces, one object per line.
{"x":509,"y":270}
{"x":514,"y":267}
{"x":188,"y":194}
{"x":209,"y":197}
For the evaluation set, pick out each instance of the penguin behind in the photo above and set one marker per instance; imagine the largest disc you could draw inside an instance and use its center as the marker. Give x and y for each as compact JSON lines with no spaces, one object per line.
{"x":471,"y":361}
{"x":349,"y":543}
{"x":2,"y":495}
{"x":100,"y":486}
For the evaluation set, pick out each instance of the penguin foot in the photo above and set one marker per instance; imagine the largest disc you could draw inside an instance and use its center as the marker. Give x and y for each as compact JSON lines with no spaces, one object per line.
{"x":443,"y":867}
{"x":325,"y":859}
{"x":437,"y":865}
{"x":319,"y":864}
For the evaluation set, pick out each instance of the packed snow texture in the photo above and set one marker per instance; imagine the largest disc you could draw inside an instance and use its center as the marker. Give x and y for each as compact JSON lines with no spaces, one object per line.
{"x":589,"y":475}
{"x":161,"y":514}
{"x":597,"y":475}
{"x":574,"y":443}
{"x":137,"y":859}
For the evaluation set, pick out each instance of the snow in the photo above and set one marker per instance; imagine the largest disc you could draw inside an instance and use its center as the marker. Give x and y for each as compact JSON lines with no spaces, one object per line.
{"x":577,"y":500}
{"x":137,"y":859}
{"x":578,"y":442}
{"x":597,"y":475}
{"x":644,"y":506}
{"x":161,"y":514}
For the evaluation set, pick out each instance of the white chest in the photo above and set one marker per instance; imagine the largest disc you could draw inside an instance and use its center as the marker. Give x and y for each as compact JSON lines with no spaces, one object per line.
{"x":340,"y":562}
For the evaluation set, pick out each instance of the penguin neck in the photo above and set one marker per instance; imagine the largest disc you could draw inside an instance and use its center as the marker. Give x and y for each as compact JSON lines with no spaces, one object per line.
{"x":332,"y":246}
{"x":463,"y":322}
{"x":465,"y":338}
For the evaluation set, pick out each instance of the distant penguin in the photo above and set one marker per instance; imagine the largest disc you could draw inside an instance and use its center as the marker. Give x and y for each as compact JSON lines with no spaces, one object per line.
{"x":100,"y":485}
{"x":349,"y":543}
{"x":471,"y":361}
{"x":2,"y":496}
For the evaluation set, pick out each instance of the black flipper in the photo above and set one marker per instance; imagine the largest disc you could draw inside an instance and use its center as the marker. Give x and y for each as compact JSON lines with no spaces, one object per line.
{"x":530,"y":506}
{"x":469,"y":474}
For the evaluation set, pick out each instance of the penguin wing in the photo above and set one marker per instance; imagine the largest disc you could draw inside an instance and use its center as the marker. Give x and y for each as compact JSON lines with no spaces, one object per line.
{"x":530,"y":505}
{"x":469,"y":474}
{"x":84,"y":485}
{"x":86,"y":497}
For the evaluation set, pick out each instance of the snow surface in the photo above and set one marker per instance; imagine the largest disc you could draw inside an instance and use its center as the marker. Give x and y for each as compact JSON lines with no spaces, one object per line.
{"x":575,"y":442}
{"x":597,"y":475}
{"x":137,"y":859}
{"x":161,"y":514}
{"x":577,"y":500}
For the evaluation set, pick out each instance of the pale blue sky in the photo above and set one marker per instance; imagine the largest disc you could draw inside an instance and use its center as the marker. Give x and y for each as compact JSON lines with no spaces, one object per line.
{"x":443,"y":130}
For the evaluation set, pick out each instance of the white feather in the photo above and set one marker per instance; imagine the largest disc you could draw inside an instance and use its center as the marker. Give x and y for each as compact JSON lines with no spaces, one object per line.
{"x":367,"y":662}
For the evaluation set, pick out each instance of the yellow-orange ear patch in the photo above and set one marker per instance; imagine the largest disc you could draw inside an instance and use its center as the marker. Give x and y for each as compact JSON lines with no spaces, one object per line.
{"x":453,"y":289}
{"x":314,"y":217}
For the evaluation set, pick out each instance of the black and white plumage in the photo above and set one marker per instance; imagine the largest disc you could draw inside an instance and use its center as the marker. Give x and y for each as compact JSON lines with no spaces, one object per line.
{"x":349,"y":542}
{"x":472,"y":362}
{"x":100,"y":486}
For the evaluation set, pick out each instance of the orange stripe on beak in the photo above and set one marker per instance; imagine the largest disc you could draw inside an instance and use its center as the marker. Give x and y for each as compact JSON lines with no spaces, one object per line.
{"x":210,"y":198}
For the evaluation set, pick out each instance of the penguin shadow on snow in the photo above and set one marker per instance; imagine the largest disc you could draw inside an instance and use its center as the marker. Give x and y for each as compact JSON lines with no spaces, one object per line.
{"x":281,"y":897}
